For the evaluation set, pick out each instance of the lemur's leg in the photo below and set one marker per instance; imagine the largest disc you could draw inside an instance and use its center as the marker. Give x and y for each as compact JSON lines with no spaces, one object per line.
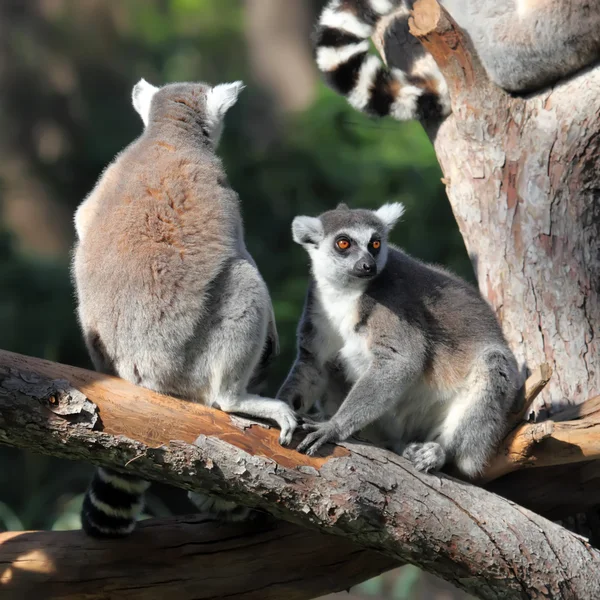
{"x":234,"y":350}
{"x":476,"y":421}
{"x":235,"y":347}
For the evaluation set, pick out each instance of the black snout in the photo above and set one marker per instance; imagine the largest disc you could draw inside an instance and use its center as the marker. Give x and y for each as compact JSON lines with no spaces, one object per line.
{"x":365,"y":267}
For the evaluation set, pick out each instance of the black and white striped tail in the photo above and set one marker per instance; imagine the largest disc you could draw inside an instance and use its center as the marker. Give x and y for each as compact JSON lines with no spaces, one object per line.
{"x":112,"y":504}
{"x":342,"y":51}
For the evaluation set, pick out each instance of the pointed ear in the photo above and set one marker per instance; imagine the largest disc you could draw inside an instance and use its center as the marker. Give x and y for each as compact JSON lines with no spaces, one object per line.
{"x":221,"y":98}
{"x":307,"y":231}
{"x":141,"y":96}
{"x":390,"y":213}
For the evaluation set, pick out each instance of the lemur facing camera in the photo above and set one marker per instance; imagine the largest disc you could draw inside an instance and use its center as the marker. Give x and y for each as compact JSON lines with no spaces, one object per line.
{"x":168,"y":296}
{"x":406,"y":353}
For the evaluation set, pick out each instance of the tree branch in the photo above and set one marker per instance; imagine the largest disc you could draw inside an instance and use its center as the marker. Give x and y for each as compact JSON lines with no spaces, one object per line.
{"x":188,"y":558}
{"x":546,"y":444}
{"x":534,"y":385}
{"x":373,"y":498}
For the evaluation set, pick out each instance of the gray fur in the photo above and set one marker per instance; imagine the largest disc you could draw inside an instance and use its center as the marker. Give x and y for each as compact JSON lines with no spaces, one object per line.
{"x":425,"y":367}
{"x":525,"y":45}
{"x":168,"y":296}
{"x":219,"y":508}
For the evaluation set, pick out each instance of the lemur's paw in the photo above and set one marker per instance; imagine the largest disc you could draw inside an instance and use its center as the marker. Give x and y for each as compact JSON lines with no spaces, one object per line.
{"x":322,"y":433}
{"x":286,"y":419}
{"x":426,"y":457}
{"x":219,"y":508}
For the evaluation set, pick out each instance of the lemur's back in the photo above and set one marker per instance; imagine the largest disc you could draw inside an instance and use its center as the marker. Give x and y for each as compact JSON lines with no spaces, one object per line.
{"x":169,"y":297}
{"x":159,"y":228}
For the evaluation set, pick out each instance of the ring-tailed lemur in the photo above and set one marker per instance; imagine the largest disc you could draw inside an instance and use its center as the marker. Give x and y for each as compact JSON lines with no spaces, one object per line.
{"x":524,"y":45}
{"x":427,"y":370}
{"x":168,"y":296}
{"x":342,"y":51}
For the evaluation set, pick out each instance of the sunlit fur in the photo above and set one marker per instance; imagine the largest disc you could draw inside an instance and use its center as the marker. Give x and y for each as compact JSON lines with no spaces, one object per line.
{"x":168,"y":296}
{"x":411,"y":356}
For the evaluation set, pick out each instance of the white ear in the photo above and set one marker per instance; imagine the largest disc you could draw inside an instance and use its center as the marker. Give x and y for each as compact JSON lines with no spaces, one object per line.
{"x":307,"y":231}
{"x":141,"y":96}
{"x":221,"y":98}
{"x":390,"y":213}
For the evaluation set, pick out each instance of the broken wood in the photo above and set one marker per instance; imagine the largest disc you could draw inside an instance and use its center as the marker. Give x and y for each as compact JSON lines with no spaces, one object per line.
{"x":372,"y":498}
{"x":534,"y":385}
{"x":546,"y":444}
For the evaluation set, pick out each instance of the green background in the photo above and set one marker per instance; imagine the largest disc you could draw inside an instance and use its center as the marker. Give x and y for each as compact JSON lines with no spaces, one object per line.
{"x":66,"y":72}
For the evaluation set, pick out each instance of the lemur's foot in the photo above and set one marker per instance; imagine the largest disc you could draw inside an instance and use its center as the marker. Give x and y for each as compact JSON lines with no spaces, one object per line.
{"x":427,"y":457}
{"x":219,"y":508}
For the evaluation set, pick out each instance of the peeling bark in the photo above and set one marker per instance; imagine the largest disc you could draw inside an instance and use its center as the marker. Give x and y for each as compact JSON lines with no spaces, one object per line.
{"x":373,"y":498}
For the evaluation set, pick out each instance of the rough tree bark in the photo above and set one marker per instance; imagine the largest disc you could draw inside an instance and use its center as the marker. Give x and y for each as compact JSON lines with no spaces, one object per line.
{"x":523,"y":177}
{"x":370,"y":497}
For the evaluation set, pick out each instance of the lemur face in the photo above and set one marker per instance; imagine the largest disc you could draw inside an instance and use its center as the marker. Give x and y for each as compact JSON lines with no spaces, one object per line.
{"x":348,"y":248}
{"x":351,"y":253}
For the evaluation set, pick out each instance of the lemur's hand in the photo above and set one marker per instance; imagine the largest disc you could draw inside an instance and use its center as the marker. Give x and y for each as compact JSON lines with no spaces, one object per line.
{"x":322,"y":433}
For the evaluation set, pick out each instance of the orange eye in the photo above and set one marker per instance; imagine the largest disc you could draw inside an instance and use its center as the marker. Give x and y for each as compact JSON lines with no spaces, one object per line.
{"x":343,"y":244}
{"x":376,"y":244}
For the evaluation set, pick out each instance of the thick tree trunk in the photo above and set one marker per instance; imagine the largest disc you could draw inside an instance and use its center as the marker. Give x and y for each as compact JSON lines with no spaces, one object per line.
{"x":523,"y":178}
{"x":371,"y":497}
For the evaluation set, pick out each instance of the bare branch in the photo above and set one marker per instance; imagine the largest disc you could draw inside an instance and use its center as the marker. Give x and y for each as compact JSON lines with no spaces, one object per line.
{"x":188,"y":558}
{"x":373,"y":498}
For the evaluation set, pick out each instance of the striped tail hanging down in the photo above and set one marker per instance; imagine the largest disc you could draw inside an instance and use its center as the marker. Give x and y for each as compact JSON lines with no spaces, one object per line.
{"x":342,"y":51}
{"x":112,"y":504}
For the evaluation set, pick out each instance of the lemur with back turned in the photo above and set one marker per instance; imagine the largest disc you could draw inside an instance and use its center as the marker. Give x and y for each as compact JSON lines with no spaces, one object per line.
{"x":168,"y":296}
{"x":406,"y":353}
{"x":524,"y":46}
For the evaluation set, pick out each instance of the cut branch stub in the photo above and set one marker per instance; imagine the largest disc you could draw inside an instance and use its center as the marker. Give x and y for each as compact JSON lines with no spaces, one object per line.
{"x":534,"y":385}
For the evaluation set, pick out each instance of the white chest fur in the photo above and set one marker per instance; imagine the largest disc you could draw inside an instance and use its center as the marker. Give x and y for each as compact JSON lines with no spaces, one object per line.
{"x":337,"y":314}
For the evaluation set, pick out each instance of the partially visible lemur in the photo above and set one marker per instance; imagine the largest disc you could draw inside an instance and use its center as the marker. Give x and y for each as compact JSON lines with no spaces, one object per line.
{"x":524,"y":45}
{"x":426,"y":367}
{"x":169,"y":297}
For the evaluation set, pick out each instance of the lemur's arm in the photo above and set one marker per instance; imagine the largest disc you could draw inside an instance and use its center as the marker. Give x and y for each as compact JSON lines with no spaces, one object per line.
{"x":393,"y":370}
{"x":307,"y":379}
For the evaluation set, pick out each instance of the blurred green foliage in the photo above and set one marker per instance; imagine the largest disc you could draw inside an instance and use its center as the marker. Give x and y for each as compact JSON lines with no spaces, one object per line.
{"x":73,"y":67}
